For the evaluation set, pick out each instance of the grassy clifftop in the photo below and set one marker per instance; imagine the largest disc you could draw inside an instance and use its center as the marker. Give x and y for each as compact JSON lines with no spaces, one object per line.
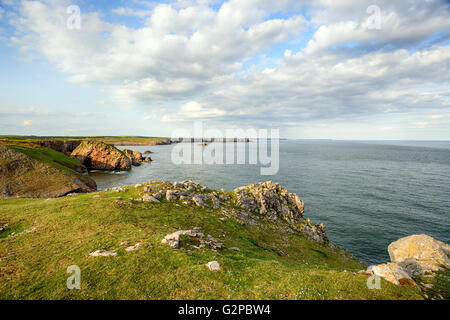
{"x":113,"y":140}
{"x":259,"y":258}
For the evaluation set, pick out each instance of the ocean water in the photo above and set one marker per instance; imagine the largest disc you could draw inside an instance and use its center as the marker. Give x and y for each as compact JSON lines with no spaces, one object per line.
{"x":368,"y":194}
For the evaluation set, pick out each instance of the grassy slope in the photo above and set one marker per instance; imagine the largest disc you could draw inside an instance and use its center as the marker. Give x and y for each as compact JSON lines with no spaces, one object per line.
{"x":50,"y":157}
{"x":269,"y":265}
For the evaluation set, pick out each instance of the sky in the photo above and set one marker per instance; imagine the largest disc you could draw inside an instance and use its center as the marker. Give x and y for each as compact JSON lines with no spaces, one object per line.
{"x":319,"y":69}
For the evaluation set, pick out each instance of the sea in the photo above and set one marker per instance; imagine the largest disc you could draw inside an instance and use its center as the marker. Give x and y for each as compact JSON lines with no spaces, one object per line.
{"x":367,"y":193}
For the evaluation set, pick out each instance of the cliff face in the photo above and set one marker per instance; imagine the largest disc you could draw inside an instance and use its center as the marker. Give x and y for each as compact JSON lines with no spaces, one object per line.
{"x":39,"y":177}
{"x":65,"y":147}
{"x":101,"y":156}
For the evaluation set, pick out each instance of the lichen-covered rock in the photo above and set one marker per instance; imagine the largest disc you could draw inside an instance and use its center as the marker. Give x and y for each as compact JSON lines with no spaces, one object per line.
{"x":21,"y":175}
{"x":392,"y":272}
{"x":419,"y":254}
{"x":101,"y":156}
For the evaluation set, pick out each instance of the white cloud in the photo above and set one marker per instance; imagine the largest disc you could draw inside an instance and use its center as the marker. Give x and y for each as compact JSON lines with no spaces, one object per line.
{"x":440,"y":116}
{"x":131,"y":12}
{"x":420,"y":125}
{"x":178,"y":53}
{"x":186,"y":51}
{"x":27,"y":123}
{"x":402,"y":22}
{"x":193,"y":111}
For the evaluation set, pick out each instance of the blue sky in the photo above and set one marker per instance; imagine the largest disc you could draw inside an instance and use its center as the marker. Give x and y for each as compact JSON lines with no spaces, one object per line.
{"x":313,"y":69}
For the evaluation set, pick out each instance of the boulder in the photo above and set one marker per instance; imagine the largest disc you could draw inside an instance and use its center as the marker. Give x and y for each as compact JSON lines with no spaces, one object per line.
{"x":149,"y":198}
{"x":419,"y":254}
{"x":101,"y":156}
{"x":391,"y":272}
{"x":24,"y":176}
{"x":173,"y":239}
{"x":213,"y":266}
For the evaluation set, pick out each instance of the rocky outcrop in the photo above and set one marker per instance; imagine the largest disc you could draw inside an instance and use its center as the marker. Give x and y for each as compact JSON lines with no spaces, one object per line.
{"x":65,"y":147}
{"x":271,"y":201}
{"x":101,"y":156}
{"x":136,"y":157}
{"x":248,"y":204}
{"x":412,"y":256}
{"x":21,"y":175}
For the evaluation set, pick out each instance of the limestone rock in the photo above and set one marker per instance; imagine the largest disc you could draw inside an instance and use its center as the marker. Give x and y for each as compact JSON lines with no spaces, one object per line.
{"x":270,"y":200}
{"x":392,"y":272}
{"x":173,"y":239}
{"x":171,"y":195}
{"x":101,"y":156}
{"x":149,"y":198}
{"x":419,"y":254}
{"x":103,"y":253}
{"x":198,"y":201}
{"x":213,"y":266}
{"x":137,"y":246}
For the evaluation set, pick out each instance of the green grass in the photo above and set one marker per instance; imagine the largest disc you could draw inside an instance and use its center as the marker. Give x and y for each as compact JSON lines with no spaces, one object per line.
{"x":270,"y":264}
{"x":50,"y":157}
